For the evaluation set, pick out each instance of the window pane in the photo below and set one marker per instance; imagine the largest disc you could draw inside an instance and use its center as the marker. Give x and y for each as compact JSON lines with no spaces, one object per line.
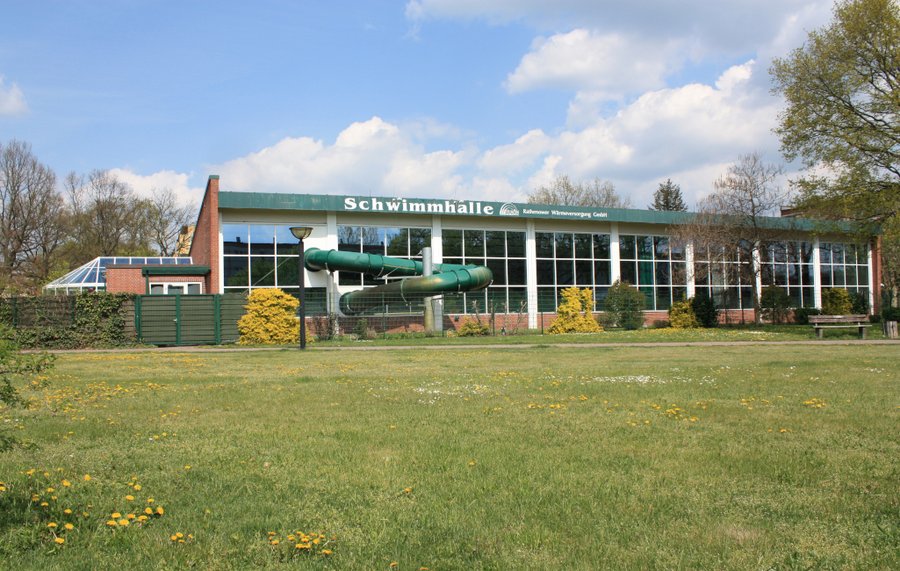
{"x":175,"y":289}
{"x":262,"y":240}
{"x":629,"y":272}
{"x":516,"y":272}
{"x":234,"y":238}
{"x":677,"y":252}
{"x":645,"y":273}
{"x":663,"y":298}
{"x":837,"y":253}
{"x":515,"y":244}
{"x":661,"y":245}
{"x":584,"y":276}
{"x":452,"y":242}
{"x":825,"y":275}
{"x":157,"y":289}
{"x":583,"y":246}
{"x":286,"y":273}
{"x":397,"y":242}
{"x":601,"y":246}
{"x":495,"y":243}
{"x":262,"y":271}
{"x":474,"y":243}
{"x":663,"y":273}
{"x":545,"y":272}
{"x":498,"y":268}
{"x":546,"y":299}
{"x":236,"y":272}
{"x":193,"y":289}
{"x":518,"y":300}
{"x":544,"y":243}
{"x":601,"y":273}
{"x":285,"y":241}
{"x":373,"y":240}
{"x":564,"y":245}
{"x":627,"y":250}
{"x":825,"y":253}
{"x":564,"y":273}
{"x":645,"y":247}
{"x":862,"y":273}
{"x":838,"y":276}
{"x":349,"y":238}
{"x":419,"y":238}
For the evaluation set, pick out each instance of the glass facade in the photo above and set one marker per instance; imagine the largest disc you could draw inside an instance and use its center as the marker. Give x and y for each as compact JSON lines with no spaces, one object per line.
{"x":844,"y":266}
{"x":725,"y":276}
{"x":656,"y":267}
{"x":503,"y":252}
{"x":395,"y":242}
{"x":567,"y":259}
{"x":789,"y":265}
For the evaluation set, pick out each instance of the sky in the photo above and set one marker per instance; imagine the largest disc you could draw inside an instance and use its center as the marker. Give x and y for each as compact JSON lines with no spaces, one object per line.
{"x":459,"y":99}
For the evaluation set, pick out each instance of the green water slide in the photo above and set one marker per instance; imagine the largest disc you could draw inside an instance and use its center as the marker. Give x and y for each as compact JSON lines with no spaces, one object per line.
{"x":445,"y":277}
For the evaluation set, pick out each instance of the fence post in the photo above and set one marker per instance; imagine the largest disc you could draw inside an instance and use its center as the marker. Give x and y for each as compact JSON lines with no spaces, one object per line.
{"x":15,"y":313}
{"x":137,"y":319}
{"x":217,"y":313}
{"x":178,"y":319}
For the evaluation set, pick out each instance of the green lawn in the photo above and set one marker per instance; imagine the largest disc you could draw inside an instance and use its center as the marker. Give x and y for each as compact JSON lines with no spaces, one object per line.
{"x":742,"y":457}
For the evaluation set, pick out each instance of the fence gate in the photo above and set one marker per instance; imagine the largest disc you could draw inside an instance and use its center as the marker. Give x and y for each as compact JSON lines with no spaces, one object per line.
{"x":188,"y":319}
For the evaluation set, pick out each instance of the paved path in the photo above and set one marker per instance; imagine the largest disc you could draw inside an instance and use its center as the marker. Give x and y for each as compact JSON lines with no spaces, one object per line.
{"x":362,"y":347}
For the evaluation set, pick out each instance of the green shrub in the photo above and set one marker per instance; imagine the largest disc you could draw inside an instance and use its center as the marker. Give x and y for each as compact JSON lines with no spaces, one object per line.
{"x":471,"y":327}
{"x":271,"y":319}
{"x":705,"y":310}
{"x":574,"y":314}
{"x":890,"y":313}
{"x":836,"y":301}
{"x":859,"y":302}
{"x":775,"y":304}
{"x":801,"y":314}
{"x":624,"y":306}
{"x":15,"y":368}
{"x":681,"y":316}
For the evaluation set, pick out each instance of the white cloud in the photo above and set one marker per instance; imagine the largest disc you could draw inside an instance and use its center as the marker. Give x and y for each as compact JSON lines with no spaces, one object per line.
{"x":606,"y":65}
{"x":368,"y":157}
{"x":12,"y":100}
{"x":144,"y":185}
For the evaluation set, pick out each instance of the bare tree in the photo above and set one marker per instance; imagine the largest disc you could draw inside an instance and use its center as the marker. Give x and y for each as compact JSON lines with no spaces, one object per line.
{"x":595,"y":194}
{"x":734,"y":223}
{"x":165,"y":219}
{"x":30,"y":210}
{"x":108,"y":219}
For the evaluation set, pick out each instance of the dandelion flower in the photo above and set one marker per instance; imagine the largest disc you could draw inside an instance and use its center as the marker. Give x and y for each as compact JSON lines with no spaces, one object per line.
{"x":111,"y":523}
{"x":59,"y":540}
{"x":87,"y":477}
{"x":326,"y":552}
{"x":160,"y":511}
{"x":129,"y":498}
{"x":51,"y":525}
{"x":148,"y":511}
{"x":67,"y":511}
{"x":124,"y":522}
{"x":66,"y":483}
{"x":116,"y":515}
{"x":69,"y":527}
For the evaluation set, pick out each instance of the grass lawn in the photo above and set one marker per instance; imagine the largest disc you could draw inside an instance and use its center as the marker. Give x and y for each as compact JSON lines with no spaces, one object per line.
{"x":768,"y":456}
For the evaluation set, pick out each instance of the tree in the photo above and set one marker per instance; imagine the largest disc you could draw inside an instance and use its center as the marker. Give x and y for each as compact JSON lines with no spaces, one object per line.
{"x":594,"y":194}
{"x":108,"y":219}
{"x":732,"y":224}
{"x":31,"y":218}
{"x":165,"y":219}
{"x":842,"y":119}
{"x":668,"y":197}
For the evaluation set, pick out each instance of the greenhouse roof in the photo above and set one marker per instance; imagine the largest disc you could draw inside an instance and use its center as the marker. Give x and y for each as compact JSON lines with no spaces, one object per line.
{"x":93,"y":273}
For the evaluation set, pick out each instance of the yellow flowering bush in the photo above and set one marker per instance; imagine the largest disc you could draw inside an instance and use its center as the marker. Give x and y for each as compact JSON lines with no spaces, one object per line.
{"x":574,"y":313}
{"x":682,"y":316}
{"x":271,"y":319}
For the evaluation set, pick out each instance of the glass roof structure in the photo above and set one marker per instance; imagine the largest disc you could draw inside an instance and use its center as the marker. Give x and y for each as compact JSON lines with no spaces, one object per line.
{"x":92,"y":275}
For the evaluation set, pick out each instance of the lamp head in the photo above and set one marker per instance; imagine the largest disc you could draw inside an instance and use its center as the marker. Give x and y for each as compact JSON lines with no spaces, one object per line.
{"x":301,"y":232}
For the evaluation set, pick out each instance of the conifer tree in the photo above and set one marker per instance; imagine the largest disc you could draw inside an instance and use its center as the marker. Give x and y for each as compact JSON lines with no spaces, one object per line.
{"x":668,"y":197}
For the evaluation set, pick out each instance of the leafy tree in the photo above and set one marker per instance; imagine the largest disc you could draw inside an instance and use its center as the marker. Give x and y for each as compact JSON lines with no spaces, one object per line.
{"x":595,"y":194}
{"x":668,"y":197}
{"x":841,"y":118}
{"x":732,"y":223}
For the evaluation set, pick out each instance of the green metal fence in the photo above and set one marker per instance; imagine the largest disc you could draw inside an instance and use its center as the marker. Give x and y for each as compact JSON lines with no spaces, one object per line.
{"x":188,"y":319}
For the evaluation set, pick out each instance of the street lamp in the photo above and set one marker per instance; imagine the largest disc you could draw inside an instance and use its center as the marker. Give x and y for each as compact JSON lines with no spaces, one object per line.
{"x":301,"y":233}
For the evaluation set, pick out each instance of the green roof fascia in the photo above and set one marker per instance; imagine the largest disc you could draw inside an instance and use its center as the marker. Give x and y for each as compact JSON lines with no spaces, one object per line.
{"x":174,"y":270}
{"x":483,"y":208}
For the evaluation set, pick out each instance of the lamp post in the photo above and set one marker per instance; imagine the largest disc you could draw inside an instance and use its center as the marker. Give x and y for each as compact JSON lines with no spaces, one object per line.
{"x":301,"y":233}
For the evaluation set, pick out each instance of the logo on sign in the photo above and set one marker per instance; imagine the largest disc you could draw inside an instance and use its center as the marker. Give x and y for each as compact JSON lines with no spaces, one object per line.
{"x":509,"y":210}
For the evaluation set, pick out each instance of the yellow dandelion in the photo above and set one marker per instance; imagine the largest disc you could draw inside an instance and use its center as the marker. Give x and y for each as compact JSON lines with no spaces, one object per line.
{"x":137,"y":488}
{"x":187,"y":466}
{"x":130,"y":516}
{"x":116,"y":515}
{"x":51,"y":525}
{"x":274,"y":542}
{"x":67,"y":511}
{"x":124,"y":522}
{"x":69,"y":527}
{"x":129,"y":498}
{"x":111,"y":523}
{"x":160,"y":511}
{"x":142,"y":518}
{"x":148,"y":511}
{"x":173,"y":538}
{"x":87,"y":477}
{"x":59,"y":540}
{"x":326,"y":552}
{"x":150,"y":500}
{"x":66,"y":483}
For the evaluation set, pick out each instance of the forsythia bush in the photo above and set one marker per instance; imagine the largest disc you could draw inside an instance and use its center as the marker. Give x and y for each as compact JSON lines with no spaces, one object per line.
{"x":470,"y":327}
{"x":271,"y":319}
{"x":574,"y":313}
{"x":682,"y":316}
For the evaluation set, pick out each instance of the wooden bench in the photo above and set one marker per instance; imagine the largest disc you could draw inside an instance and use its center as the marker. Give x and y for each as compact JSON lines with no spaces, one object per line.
{"x":822,"y":322}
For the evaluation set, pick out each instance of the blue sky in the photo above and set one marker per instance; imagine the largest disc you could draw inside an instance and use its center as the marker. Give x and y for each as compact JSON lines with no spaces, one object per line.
{"x":432,"y":98}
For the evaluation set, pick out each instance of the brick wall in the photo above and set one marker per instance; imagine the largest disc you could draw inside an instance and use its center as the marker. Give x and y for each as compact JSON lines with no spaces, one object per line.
{"x":205,"y":245}
{"x":125,"y":279}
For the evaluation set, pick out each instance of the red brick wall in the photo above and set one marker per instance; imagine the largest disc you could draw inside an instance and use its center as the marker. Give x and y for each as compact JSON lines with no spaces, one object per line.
{"x":205,"y":245}
{"x":125,"y":279}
